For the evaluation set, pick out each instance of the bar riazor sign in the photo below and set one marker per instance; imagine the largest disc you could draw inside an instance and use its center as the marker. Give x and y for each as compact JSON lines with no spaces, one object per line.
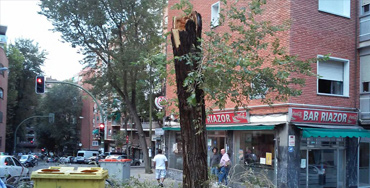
{"x":301,"y":115}
{"x":227,"y":118}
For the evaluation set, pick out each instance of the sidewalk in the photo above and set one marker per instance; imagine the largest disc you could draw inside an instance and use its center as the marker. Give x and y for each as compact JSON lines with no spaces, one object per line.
{"x":139,"y":173}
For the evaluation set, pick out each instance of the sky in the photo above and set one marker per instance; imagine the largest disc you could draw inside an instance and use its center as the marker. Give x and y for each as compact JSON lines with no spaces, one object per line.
{"x":22,"y":20}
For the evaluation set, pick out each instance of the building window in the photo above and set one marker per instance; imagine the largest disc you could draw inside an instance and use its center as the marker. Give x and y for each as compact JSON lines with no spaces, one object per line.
{"x":215,"y":14}
{"x":365,"y":76}
{"x":1,"y":117}
{"x":337,"y":7}
{"x":95,"y":143}
{"x":333,"y":77}
{"x":1,"y":139}
{"x":255,"y":150}
{"x":110,"y":132}
{"x":1,"y":93}
{"x":365,"y":6}
{"x":2,"y":72}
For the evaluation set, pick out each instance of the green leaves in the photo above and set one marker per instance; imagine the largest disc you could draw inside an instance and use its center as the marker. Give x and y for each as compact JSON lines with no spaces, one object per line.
{"x":247,"y":63}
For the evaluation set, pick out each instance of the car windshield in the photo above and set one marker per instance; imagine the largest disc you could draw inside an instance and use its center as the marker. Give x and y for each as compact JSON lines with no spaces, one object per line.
{"x":24,"y":157}
{"x":80,"y":154}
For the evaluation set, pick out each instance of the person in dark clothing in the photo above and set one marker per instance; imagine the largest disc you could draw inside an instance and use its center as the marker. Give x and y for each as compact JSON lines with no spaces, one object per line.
{"x":215,"y":160}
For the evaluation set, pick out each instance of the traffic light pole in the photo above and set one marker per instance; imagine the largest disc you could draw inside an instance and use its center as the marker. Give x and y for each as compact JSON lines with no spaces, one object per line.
{"x":96,"y":102}
{"x":16,"y":129}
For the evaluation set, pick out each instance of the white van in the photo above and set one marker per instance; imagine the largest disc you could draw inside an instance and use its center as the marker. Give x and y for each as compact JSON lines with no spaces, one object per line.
{"x":83,"y":156}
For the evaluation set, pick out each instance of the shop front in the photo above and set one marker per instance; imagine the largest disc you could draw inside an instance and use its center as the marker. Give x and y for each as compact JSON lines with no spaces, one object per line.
{"x":249,"y":145}
{"x":329,"y":148}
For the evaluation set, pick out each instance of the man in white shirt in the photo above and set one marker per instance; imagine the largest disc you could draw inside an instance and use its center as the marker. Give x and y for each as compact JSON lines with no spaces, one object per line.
{"x":225,"y":165}
{"x":161,"y":165}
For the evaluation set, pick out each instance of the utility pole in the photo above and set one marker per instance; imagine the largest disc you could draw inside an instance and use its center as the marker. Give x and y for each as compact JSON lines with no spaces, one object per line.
{"x":150,"y":113}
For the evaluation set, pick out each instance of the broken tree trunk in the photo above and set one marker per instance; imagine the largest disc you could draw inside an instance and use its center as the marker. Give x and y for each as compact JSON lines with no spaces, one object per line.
{"x":184,"y":36}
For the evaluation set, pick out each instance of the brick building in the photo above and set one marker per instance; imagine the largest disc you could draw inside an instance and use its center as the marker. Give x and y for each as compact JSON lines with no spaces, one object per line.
{"x":311,"y":140}
{"x":3,"y":87}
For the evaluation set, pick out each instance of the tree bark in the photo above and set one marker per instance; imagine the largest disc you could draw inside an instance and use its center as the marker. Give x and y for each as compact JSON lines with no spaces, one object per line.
{"x":184,"y":36}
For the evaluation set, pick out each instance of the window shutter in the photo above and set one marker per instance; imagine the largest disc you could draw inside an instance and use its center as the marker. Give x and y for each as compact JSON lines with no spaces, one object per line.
{"x":365,"y":68}
{"x":331,"y":70}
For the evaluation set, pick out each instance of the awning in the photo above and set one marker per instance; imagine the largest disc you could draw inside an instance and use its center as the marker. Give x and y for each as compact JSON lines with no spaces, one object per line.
{"x":319,"y":132}
{"x":224,"y":128}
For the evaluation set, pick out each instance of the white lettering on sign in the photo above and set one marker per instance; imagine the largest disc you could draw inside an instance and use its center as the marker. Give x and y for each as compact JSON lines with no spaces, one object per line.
{"x":310,"y":116}
{"x":219,"y":118}
{"x":333,"y":117}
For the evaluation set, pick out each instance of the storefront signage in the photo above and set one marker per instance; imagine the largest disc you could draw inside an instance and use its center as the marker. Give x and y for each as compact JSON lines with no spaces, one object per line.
{"x":158,"y":102}
{"x":159,"y":131}
{"x":291,"y":140}
{"x":268,"y":158}
{"x":227,"y":118}
{"x":300,"y":115}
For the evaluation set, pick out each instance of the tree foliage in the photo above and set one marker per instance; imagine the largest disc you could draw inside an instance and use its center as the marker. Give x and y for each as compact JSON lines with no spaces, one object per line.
{"x":113,"y":35}
{"x":25,"y":61}
{"x":62,"y":136}
{"x":245,"y":61}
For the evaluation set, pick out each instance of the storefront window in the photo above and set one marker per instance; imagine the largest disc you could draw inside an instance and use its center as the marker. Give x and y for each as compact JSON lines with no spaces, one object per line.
{"x":255,"y":153}
{"x":175,"y":154}
{"x":322,"y":162}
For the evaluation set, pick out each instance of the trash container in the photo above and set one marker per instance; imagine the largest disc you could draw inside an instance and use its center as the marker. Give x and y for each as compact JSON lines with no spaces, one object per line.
{"x":118,"y":169}
{"x":66,"y":177}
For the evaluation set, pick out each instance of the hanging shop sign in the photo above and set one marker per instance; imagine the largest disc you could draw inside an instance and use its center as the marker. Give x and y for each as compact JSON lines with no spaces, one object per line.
{"x":301,"y":115}
{"x":227,"y":118}
{"x":158,"y":101}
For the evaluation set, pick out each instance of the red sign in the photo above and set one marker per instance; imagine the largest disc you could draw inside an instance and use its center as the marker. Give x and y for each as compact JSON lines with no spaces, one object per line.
{"x":323,"y":116}
{"x":227,"y":118}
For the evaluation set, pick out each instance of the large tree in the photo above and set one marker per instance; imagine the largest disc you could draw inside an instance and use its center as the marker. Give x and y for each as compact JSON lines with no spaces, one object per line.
{"x":25,"y":61}
{"x":232,"y":67}
{"x":113,"y":34}
{"x":61,"y":136}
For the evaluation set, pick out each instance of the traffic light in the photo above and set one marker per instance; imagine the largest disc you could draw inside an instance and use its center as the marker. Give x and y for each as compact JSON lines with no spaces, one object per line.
{"x":101,"y":131}
{"x":40,"y":84}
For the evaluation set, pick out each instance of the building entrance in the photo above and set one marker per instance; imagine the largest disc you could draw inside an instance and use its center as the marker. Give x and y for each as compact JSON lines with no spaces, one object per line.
{"x":322,"y":163}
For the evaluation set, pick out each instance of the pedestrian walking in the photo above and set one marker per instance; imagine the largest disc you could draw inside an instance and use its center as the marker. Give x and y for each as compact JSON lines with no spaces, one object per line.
{"x":215,"y":161}
{"x":161,"y":165}
{"x":225,"y":165}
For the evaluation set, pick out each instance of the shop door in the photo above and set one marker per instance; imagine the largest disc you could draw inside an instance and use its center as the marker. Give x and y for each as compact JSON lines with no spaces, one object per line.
{"x":364,"y":161}
{"x":215,"y":139}
{"x":322,"y":168}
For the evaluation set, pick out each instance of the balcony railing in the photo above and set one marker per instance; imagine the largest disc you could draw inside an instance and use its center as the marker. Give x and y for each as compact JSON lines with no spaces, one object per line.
{"x":365,"y":106}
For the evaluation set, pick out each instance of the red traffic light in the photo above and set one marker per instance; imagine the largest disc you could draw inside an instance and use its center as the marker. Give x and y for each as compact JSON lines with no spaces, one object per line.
{"x":101,"y":125}
{"x":40,"y":84}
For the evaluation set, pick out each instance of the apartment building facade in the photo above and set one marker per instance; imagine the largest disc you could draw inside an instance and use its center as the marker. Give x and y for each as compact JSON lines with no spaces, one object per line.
{"x":3,"y":87}
{"x":315,"y":139}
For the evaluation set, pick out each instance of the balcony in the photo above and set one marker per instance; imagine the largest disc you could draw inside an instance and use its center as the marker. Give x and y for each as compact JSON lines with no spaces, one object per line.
{"x":365,"y":106}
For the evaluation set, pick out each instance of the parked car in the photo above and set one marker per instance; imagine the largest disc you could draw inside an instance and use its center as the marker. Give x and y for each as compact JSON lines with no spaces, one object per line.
{"x":93,"y":159}
{"x":64,"y":160}
{"x":135,"y":162}
{"x":52,"y":159}
{"x":11,"y":167}
{"x":28,"y":161}
{"x":83,"y":156}
{"x":116,"y":157}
